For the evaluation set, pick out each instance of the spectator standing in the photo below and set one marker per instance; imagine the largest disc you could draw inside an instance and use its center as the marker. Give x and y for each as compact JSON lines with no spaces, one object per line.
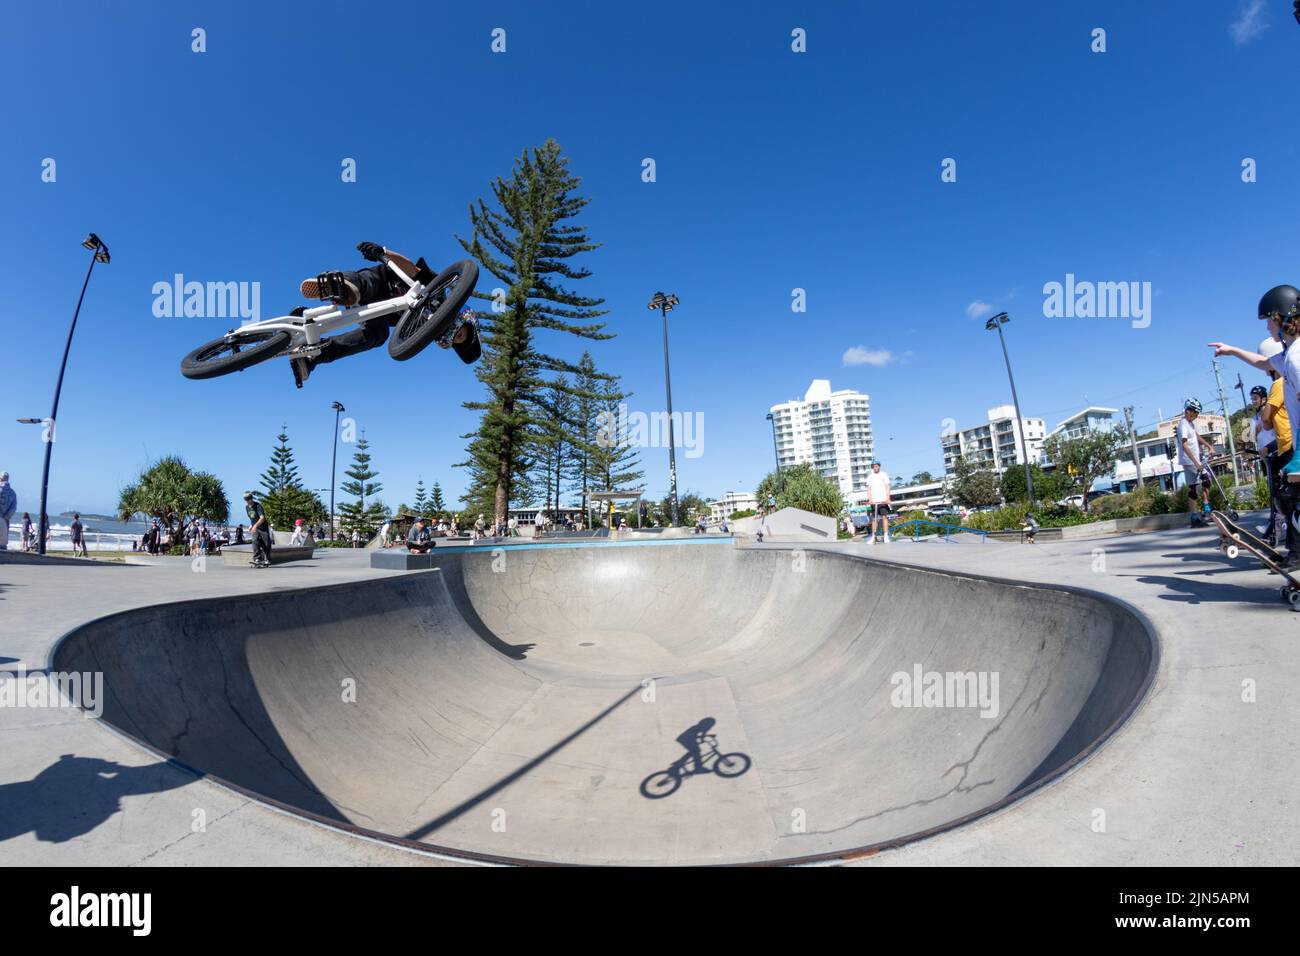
{"x":28,"y":535}
{"x":78,"y":537}
{"x":878,"y":500}
{"x":8,"y":505}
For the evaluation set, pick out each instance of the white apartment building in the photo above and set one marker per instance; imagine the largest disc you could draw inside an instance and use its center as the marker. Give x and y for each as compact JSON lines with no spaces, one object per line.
{"x":829,"y":430}
{"x":731,"y":502}
{"x":995,"y":443}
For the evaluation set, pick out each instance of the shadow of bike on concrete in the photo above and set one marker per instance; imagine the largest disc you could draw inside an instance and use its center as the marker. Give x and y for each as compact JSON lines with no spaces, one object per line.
{"x":702,"y":756}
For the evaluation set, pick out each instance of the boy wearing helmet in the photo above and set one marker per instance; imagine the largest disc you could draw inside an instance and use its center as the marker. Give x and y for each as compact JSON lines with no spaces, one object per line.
{"x":1189,"y":458}
{"x":1280,"y":308}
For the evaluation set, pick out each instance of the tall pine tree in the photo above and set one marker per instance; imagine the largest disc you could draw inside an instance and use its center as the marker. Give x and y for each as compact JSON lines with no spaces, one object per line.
{"x":557,"y":444}
{"x":436,"y":505}
{"x":283,"y":473}
{"x":358,"y":515}
{"x":421,"y":498}
{"x":616,"y":464}
{"x":527,"y":242}
{"x":284,"y":498}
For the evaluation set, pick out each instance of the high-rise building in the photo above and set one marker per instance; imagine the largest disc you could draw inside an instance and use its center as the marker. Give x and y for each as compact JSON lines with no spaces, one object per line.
{"x":996,"y":443}
{"x":829,"y":430}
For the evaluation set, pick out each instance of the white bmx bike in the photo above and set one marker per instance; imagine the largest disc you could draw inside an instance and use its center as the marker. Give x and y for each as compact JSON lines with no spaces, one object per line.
{"x":432,"y":309}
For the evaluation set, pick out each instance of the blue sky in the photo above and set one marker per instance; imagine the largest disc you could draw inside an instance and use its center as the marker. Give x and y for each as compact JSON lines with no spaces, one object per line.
{"x":775,"y":171}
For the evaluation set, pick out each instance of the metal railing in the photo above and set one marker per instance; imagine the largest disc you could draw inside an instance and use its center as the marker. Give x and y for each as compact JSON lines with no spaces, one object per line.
{"x":948,"y":529}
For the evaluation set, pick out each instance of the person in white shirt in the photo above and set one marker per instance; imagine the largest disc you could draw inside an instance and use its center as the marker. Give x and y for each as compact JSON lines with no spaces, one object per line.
{"x":299,"y":534}
{"x":878,"y":500}
{"x":1189,"y":458}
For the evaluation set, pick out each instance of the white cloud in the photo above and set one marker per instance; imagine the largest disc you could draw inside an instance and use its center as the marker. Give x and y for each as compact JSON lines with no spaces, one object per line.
{"x":978,"y":309}
{"x":860,"y":355}
{"x":1249,"y":23}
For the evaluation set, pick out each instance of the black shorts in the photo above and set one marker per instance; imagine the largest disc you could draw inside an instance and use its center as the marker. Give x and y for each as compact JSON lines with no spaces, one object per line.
{"x":879,"y":511}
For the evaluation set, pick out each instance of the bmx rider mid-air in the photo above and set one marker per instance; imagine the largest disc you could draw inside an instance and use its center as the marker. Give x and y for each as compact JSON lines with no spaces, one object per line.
{"x":348,"y":289}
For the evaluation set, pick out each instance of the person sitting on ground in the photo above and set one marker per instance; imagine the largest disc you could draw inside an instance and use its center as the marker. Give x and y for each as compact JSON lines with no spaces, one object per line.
{"x":363,"y":287}
{"x":418,"y":539}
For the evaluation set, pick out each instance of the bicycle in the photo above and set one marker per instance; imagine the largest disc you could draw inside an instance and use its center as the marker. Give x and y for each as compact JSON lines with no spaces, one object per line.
{"x":663,"y":783}
{"x":433,"y":310}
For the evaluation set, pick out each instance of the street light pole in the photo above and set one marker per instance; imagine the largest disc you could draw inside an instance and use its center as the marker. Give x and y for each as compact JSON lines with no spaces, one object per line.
{"x":338,"y":409}
{"x":997,"y":322}
{"x":776,"y":454}
{"x":99,"y":254}
{"x":1132,"y":438}
{"x":664,"y":304}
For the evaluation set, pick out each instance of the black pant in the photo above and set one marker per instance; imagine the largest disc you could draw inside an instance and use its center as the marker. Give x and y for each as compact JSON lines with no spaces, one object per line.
{"x":1287,"y":497}
{"x":262,"y":547}
{"x":374,"y":285}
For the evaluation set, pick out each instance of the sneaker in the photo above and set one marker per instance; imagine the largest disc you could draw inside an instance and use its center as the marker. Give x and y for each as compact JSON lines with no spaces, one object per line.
{"x":331,"y":285}
{"x":888,"y":540}
{"x":301,"y":370}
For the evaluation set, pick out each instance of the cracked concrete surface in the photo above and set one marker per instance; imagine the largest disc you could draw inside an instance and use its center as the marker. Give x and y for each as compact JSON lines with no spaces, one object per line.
{"x":453,"y":743}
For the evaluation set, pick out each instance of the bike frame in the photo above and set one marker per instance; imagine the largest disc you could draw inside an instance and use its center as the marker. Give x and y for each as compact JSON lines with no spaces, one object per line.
{"x":313,"y":324}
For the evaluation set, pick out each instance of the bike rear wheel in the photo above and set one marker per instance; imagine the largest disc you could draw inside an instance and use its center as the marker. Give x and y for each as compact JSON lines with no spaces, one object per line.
{"x":659,"y":785}
{"x":432,"y":314}
{"x":222,"y":356}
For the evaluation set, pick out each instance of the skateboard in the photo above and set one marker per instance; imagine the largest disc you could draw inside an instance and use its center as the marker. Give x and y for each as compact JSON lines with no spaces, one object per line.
{"x":1233,"y":537}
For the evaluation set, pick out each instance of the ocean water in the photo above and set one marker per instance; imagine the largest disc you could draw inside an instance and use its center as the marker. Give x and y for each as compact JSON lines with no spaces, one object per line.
{"x":102,"y":534}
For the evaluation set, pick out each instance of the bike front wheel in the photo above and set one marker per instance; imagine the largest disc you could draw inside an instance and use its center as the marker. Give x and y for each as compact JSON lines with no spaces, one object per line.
{"x":432,"y":314}
{"x":731,"y":765}
{"x":659,"y":785}
{"x":223,"y":356}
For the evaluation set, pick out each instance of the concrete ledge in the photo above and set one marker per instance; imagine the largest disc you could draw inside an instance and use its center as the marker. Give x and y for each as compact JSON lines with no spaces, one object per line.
{"x":391,"y":559}
{"x":241,"y":555}
{"x":1095,"y":529}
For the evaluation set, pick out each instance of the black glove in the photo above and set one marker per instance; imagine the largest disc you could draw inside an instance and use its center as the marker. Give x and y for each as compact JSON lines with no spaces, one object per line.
{"x":371,"y":251}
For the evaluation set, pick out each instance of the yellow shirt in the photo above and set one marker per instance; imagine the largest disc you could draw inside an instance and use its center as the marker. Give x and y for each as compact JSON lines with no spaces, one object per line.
{"x":1281,"y":424}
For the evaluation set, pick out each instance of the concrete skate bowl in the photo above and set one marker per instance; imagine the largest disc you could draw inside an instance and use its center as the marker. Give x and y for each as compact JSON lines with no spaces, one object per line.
{"x":527,"y":705}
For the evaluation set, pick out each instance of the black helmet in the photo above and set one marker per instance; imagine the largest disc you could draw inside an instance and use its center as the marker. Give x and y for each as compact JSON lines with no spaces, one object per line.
{"x":1193,"y":404}
{"x":1259,"y":390}
{"x":1283,"y":300}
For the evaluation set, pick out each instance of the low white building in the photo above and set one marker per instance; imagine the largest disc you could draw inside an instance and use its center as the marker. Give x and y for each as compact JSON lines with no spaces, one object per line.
{"x":932,"y":494}
{"x":731,"y":502}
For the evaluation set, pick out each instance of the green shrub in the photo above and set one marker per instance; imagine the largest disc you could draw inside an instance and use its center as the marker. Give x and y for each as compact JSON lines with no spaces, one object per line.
{"x":1261,"y":493}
